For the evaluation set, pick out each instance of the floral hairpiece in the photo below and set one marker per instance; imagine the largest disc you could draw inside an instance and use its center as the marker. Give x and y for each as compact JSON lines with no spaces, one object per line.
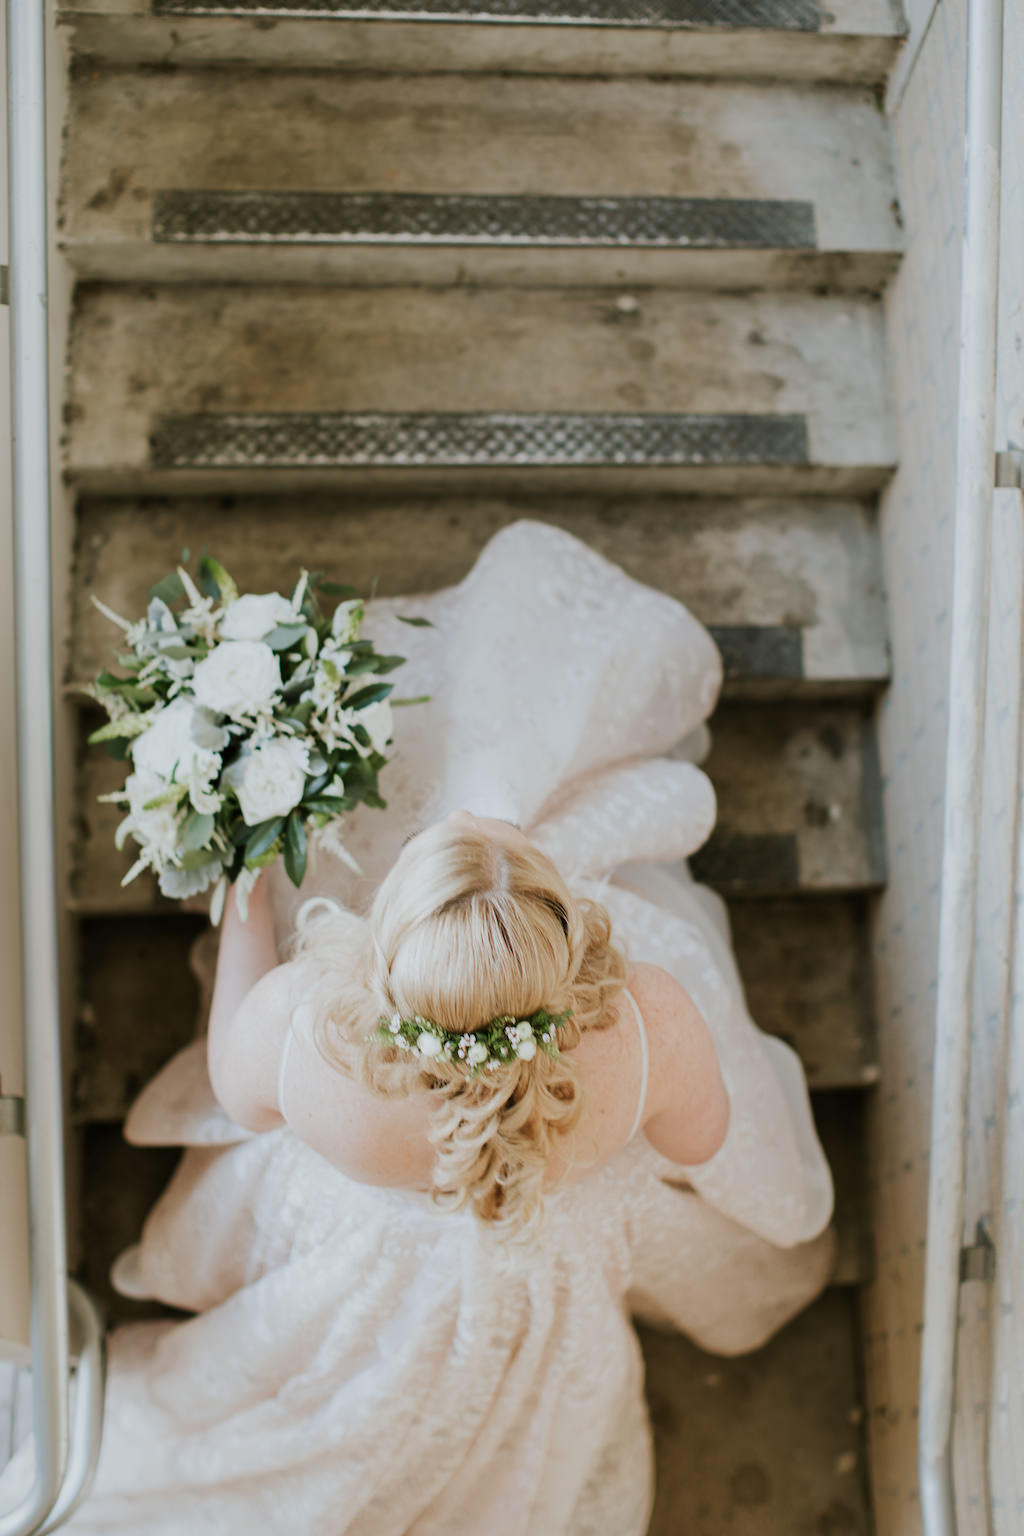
{"x":505,"y":1039}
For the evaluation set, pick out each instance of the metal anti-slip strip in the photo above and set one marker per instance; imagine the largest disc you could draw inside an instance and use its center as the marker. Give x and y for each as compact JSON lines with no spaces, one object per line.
{"x":416,"y":218}
{"x":725,"y":15}
{"x":385,"y":439}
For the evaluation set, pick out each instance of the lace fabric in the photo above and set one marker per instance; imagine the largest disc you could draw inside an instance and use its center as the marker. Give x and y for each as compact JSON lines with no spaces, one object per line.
{"x":360,"y":1365}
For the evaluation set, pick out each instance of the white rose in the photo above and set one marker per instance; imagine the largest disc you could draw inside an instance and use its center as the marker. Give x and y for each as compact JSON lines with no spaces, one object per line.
{"x":238,"y":678}
{"x":376,"y":719}
{"x":477,"y":1053}
{"x":526,"y":1050}
{"x":429,"y":1045}
{"x":167,"y":745}
{"x":253,"y":616}
{"x":271,"y":780}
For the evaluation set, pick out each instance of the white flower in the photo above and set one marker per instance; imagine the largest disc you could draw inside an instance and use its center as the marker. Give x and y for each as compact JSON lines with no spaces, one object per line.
{"x":253,"y":616}
{"x":526,"y":1050}
{"x":167,"y":744}
{"x":429,"y":1045}
{"x":347,"y":620}
{"x":271,"y":779}
{"x":376,"y":719}
{"x":155,"y":828}
{"x":477,"y":1053}
{"x":180,"y":883}
{"x":202,"y":779}
{"x":239,"y":678}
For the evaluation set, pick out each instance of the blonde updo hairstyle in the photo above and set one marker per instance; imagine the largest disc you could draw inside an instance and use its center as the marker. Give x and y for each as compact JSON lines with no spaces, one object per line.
{"x":465,"y":929}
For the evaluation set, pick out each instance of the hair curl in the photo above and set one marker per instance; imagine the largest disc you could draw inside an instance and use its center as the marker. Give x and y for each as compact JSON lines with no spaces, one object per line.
{"x":463,"y":929}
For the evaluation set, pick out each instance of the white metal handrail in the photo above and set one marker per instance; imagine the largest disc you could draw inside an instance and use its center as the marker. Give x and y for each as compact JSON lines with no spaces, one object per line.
{"x":975,"y":480}
{"x":53,"y":1493}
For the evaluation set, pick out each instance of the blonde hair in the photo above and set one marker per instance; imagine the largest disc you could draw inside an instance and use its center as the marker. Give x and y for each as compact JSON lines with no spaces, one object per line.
{"x":464,"y":929}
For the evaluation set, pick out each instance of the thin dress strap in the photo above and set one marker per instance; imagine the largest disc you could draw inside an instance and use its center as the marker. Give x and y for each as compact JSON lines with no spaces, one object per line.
{"x":289,"y":1036}
{"x":286,"y":1052}
{"x":645,"y":1066}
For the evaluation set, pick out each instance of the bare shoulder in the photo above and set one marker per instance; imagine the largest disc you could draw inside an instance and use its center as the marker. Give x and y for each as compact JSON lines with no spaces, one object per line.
{"x":687,"y":1106}
{"x":675,"y":1026}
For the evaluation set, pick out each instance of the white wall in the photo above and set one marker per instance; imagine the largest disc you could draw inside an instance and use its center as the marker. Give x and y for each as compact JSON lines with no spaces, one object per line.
{"x":917,"y":537}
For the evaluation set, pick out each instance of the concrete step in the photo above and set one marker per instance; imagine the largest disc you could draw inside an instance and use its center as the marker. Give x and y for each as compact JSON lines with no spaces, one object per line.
{"x":233,"y":388}
{"x":799,"y":811}
{"x":803,"y":966}
{"x":311,"y":176}
{"x":769,"y":1444}
{"x":847,"y":40}
{"x":791,"y":590}
{"x":799,"y":801}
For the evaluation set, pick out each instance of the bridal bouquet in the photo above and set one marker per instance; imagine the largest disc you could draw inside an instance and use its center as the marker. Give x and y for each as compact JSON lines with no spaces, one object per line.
{"x":250,"y":722}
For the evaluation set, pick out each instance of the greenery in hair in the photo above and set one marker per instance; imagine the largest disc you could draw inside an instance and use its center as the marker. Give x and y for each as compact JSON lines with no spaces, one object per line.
{"x":502,"y":1041}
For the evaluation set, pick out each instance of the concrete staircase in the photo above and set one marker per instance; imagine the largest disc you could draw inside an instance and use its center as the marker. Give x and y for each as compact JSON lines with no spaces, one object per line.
{"x":381,"y":278}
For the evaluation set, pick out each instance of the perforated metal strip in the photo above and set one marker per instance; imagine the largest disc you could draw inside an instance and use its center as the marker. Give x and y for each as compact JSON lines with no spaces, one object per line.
{"x":725,"y":15}
{"x":486,"y":219}
{"x":384,"y":439}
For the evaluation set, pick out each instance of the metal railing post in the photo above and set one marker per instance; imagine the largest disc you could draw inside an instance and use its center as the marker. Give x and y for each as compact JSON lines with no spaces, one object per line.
{"x":43,"y":1108}
{"x":975,"y":477}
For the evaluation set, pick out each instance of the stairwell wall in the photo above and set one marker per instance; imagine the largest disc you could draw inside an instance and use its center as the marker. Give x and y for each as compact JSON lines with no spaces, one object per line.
{"x":917,"y":535}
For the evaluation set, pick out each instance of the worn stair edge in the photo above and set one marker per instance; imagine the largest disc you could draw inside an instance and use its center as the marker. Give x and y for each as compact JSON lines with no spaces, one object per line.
{"x":486,"y":173}
{"x":799,"y":811}
{"x":791,"y":591}
{"x":856,"y":44}
{"x":803,"y":966}
{"x":233,"y":385}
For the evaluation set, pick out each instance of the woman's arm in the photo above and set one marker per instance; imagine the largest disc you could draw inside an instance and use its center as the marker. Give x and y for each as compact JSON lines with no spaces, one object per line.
{"x":249,"y":1014}
{"x":688,"y":1105}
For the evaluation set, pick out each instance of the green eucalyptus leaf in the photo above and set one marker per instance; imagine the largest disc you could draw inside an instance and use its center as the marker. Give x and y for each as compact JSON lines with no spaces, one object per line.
{"x":263,"y":838}
{"x":285,"y":637}
{"x":168,"y":590}
{"x":332,"y":588}
{"x":215,"y":581}
{"x":424,"y":698}
{"x":417,"y":623}
{"x":295,"y":849}
{"x":370,"y":695}
{"x":197,"y":829}
{"x":119,"y":730}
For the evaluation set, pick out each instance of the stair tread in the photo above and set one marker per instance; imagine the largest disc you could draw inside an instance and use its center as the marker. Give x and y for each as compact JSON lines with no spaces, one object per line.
{"x":297,"y":173}
{"x":766,"y":1444}
{"x":231,"y":385}
{"x":855,"y":41}
{"x":791,"y":590}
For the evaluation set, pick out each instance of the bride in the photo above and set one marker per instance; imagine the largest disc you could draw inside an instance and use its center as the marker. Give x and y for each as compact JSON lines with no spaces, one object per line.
{"x":442,"y":1144}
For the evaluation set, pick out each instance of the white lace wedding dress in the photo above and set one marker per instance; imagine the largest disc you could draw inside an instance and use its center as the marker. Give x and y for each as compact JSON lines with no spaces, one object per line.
{"x":360,"y":1366}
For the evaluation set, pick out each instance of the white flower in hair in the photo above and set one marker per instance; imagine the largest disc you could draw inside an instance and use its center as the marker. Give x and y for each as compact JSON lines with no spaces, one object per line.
{"x":429,"y":1045}
{"x":526,"y":1050}
{"x":477,"y":1053}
